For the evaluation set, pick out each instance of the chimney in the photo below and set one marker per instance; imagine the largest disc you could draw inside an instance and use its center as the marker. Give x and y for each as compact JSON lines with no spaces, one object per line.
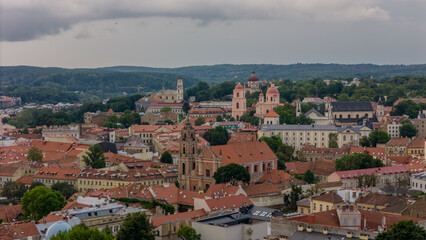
{"x":311,"y":219}
{"x":384,"y":222}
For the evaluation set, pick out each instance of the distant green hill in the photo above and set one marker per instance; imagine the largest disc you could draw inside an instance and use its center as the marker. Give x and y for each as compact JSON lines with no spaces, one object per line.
{"x":295,"y":72}
{"x":59,"y":84}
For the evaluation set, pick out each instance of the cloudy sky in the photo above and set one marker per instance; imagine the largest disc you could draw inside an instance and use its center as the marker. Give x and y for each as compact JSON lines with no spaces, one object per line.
{"x":174,"y":33}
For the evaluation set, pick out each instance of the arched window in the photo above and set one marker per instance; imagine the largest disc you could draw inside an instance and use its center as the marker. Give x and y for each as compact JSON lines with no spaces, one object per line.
{"x":238,"y":105}
{"x":193,"y":150}
{"x":193,"y":166}
{"x":238,"y":94}
{"x":183,"y":168}
{"x":207,"y":172}
{"x":344,"y":138}
{"x":183,"y":150}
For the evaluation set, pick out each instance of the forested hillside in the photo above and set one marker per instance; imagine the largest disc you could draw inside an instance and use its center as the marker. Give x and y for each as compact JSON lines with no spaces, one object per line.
{"x":35,"y":84}
{"x":294,"y":72}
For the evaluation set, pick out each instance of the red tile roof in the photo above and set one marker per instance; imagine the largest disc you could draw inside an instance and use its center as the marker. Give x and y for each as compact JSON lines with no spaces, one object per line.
{"x":244,"y":152}
{"x":375,"y":152}
{"x":49,"y":146}
{"x":19,"y":230}
{"x":275,"y":176}
{"x":417,"y":143}
{"x":221,"y":190}
{"x":369,"y":171}
{"x":157,"y":221}
{"x":298,"y":167}
{"x":271,"y":114}
{"x":27,"y":180}
{"x":324,"y":167}
{"x":10,"y":213}
{"x":263,"y":189}
{"x":58,"y":172}
{"x":231,"y":202}
{"x":331,"y":197}
{"x":398,"y":142}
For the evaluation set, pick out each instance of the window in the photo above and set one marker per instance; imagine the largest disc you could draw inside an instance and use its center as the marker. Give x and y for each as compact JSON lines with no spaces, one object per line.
{"x":238,"y":105}
{"x":183,"y":168}
{"x":193,"y":166}
{"x":255,"y":168}
{"x":321,"y":207}
{"x":315,"y":206}
{"x":208,"y":172}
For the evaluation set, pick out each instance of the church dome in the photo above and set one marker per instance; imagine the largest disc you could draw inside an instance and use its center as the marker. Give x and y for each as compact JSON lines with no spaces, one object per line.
{"x":272,"y":90}
{"x":253,"y":78}
{"x":57,"y":227}
{"x":239,"y":86}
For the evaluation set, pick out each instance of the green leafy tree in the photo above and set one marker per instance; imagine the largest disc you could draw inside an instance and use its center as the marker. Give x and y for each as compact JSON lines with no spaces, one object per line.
{"x":188,"y":233}
{"x":406,"y":107}
{"x":40,"y":201}
{"x":129,"y":118}
{"x":136,"y":226}
{"x":113,"y":118}
{"x":166,"y":109}
{"x":232,"y":173}
{"x":166,"y":157}
{"x":186,"y":107}
{"x":285,"y":153}
{"x":378,"y":136}
{"x":219,"y":118}
{"x":200,"y":121}
{"x":291,"y":198}
{"x":309,"y":177}
{"x":364,"y":141}
{"x":82,"y":232}
{"x":13,"y":190}
{"x":108,"y":231}
{"x":34,"y":155}
{"x":170,"y":122}
{"x":408,"y":130}
{"x":95,"y":157}
{"x":332,"y":140}
{"x":64,"y":188}
{"x":357,"y":161}
{"x":217,"y":136}
{"x":403,"y":230}
{"x":36,"y":184}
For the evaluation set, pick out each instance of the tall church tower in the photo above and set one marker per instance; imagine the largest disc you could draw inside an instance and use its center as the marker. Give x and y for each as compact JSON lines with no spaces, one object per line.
{"x":238,"y":102}
{"x":179,"y":90}
{"x":298,"y":108}
{"x":187,"y":158}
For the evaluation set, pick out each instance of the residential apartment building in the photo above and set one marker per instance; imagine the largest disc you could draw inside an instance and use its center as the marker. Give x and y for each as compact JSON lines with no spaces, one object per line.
{"x":52,"y":174}
{"x":416,"y":147}
{"x":382,"y":176}
{"x":56,"y":131}
{"x":315,"y":135}
{"x":92,"y":179}
{"x":418,"y":181}
{"x":397,"y":146}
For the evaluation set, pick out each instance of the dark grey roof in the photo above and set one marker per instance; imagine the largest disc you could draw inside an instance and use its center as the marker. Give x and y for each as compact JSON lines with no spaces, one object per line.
{"x":350,"y":106}
{"x":313,"y":110}
{"x":244,"y":215}
{"x":108,"y":147}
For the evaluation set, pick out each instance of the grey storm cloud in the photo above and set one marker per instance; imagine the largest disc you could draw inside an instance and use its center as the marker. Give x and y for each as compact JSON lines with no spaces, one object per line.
{"x":23,"y":20}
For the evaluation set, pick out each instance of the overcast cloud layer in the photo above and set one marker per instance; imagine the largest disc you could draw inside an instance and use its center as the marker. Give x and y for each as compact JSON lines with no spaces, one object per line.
{"x":84,"y":25}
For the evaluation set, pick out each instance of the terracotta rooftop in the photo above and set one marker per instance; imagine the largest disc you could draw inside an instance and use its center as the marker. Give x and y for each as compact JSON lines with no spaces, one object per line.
{"x":10,"y":213}
{"x":381,"y":199}
{"x":20,"y":230}
{"x":256,"y":190}
{"x":221,"y":190}
{"x":369,"y":171}
{"x":275,"y":176}
{"x":398,"y":142}
{"x":157,"y":221}
{"x":324,"y":167}
{"x":298,"y":167}
{"x":331,"y":197}
{"x":27,"y":180}
{"x":58,"y":172}
{"x":375,"y":152}
{"x":271,"y":114}
{"x":244,"y":152}
{"x":373,"y":219}
{"x":417,"y":143}
{"x":49,"y":146}
{"x":231,"y":202}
